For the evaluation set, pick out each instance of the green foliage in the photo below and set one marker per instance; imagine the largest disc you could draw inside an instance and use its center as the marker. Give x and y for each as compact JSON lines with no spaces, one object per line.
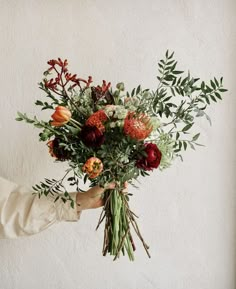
{"x":173,"y":107}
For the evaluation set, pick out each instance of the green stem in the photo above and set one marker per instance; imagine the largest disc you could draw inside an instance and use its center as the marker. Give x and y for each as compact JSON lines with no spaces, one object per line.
{"x":76,"y":123}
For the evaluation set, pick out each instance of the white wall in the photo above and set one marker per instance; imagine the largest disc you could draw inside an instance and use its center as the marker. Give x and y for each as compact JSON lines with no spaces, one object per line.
{"x":187,"y":213}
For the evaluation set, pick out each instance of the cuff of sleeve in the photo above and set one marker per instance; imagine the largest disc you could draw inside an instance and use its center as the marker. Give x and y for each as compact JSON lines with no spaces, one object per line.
{"x":65,"y":212}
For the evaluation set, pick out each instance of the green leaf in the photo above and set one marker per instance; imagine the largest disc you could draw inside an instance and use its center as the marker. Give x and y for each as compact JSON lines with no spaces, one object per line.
{"x":138,"y":89}
{"x":169,"y":77}
{"x":207,"y":100}
{"x":185,"y":145}
{"x":213,"y":98}
{"x":133,"y":92}
{"x":202,"y":85}
{"x":56,"y":198}
{"x":196,"y":137}
{"x":216,"y":82}
{"x":223,"y":89}
{"x":192,"y":146}
{"x":20,"y":115}
{"x":177,"y":72}
{"x":184,"y":81}
{"x":38,"y":102}
{"x":218,"y":95}
{"x":187,"y":127}
{"x":213,"y":85}
{"x":172,"y":54}
{"x":170,"y":62}
{"x":208,"y":89}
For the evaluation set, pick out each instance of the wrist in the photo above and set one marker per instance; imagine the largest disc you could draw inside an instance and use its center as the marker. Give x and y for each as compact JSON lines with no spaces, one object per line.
{"x":80,"y":201}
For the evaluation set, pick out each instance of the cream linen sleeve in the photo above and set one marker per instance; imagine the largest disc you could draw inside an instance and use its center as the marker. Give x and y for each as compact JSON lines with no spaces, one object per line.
{"x":23,"y":214}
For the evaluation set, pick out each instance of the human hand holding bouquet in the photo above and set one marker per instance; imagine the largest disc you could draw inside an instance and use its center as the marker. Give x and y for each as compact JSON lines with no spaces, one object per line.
{"x":108,"y":135}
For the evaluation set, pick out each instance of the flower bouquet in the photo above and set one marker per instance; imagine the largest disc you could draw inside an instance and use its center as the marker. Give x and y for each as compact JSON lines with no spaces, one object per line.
{"x":111,"y":135}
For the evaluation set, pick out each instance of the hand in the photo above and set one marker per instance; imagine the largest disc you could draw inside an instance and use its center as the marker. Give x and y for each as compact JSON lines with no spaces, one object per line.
{"x":92,"y":198}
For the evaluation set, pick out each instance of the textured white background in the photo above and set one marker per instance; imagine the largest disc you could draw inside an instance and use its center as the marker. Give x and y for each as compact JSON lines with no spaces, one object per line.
{"x":187,"y":213}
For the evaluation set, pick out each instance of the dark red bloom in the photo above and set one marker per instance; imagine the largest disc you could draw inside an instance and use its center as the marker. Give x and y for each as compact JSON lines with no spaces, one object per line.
{"x":58,"y":151}
{"x":151,"y":160}
{"x":92,"y":136}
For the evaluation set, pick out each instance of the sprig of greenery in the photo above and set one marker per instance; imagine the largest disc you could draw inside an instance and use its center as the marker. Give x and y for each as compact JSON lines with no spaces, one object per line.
{"x":57,"y":189}
{"x":180,"y":99}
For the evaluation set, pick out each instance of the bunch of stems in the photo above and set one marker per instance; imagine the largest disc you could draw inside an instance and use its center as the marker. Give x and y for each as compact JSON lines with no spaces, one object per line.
{"x":118,"y":220}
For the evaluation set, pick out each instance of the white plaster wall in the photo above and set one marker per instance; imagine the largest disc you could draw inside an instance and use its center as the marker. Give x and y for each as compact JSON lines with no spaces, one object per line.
{"x":187,"y":213}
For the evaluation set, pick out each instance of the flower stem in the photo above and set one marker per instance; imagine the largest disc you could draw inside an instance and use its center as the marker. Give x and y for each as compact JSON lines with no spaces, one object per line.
{"x":118,"y":220}
{"x":76,"y":123}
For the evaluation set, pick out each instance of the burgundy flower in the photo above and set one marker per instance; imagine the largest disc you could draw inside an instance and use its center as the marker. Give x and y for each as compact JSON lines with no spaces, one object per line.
{"x":152,"y":160}
{"x":92,"y":136}
{"x":57,"y":151}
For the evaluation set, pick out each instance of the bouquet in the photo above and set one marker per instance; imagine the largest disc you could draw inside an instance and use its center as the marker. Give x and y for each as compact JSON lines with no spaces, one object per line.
{"x":107,"y":134}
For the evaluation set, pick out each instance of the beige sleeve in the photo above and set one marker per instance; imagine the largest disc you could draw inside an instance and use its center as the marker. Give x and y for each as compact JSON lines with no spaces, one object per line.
{"x":22,"y":213}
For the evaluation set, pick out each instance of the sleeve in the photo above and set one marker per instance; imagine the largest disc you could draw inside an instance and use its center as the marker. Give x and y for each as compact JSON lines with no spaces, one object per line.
{"x":23,"y":214}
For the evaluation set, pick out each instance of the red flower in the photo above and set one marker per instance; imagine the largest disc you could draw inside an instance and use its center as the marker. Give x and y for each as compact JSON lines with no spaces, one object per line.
{"x":152,"y":160}
{"x":92,"y":136}
{"x":97,"y":119}
{"x":137,"y":126}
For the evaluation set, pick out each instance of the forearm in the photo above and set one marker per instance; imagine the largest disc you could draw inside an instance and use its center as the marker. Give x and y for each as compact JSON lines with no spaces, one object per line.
{"x":22,"y":213}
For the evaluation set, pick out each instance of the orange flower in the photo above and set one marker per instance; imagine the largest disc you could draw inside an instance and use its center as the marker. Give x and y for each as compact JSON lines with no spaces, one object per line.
{"x":61,"y":116}
{"x":93,"y":167}
{"x":137,"y":126}
{"x":97,"y":119}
